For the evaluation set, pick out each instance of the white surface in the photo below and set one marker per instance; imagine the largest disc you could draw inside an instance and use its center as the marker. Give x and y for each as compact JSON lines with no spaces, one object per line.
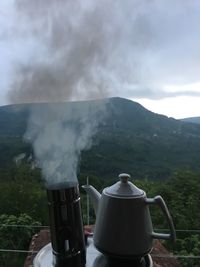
{"x":44,"y":257}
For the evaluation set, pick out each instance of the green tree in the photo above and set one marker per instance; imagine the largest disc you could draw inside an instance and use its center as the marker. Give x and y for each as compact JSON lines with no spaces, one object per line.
{"x":23,"y":192}
{"x":15,"y":238}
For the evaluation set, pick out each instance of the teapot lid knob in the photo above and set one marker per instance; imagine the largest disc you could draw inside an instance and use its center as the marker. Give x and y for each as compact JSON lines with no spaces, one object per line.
{"x":124,"y":177}
{"x":124,"y":188}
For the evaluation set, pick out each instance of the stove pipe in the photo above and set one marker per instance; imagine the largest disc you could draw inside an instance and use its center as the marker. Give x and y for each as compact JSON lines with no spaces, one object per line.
{"x":66,"y":226}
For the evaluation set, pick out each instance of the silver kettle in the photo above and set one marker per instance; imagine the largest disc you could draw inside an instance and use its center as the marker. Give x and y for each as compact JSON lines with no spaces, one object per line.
{"x":123,"y":225}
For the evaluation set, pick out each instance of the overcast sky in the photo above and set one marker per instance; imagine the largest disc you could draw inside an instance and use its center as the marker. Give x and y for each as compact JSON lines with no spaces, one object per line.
{"x":145,"y":50}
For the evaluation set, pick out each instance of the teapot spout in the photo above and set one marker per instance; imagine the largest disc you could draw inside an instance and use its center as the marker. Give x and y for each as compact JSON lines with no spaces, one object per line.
{"x":94,"y":196}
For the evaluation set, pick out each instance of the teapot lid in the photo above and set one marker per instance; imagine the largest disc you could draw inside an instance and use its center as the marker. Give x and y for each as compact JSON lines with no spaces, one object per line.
{"x":124,"y":188}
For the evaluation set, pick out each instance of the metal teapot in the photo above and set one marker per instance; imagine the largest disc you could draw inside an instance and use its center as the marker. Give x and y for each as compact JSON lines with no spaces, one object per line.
{"x":123,"y":225}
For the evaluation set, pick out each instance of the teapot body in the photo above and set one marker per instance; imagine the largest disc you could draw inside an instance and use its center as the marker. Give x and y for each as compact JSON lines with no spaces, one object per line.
{"x":123,"y":226}
{"x":123,"y":222}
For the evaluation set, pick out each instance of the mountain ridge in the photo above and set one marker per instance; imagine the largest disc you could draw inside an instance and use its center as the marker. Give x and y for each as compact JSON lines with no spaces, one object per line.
{"x":130,"y":139}
{"x":192,"y":120}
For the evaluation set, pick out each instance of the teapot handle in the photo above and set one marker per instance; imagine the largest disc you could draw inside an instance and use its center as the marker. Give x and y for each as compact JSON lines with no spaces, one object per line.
{"x":158,"y":200}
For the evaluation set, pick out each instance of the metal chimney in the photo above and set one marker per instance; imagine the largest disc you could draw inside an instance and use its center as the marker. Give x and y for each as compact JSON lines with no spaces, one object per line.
{"x":66,"y":226}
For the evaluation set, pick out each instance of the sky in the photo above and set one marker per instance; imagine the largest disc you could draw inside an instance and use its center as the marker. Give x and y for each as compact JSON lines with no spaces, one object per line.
{"x":144,"y":50}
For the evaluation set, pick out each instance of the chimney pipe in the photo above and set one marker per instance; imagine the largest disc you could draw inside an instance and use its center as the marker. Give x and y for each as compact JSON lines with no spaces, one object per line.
{"x":66,"y":226}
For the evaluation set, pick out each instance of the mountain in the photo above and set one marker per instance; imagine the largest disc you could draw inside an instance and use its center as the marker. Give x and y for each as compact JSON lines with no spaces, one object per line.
{"x":130,"y":139}
{"x":192,"y":120}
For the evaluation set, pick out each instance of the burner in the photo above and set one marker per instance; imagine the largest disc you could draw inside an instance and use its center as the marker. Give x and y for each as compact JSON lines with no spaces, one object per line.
{"x":102,"y":261}
{"x":93,"y":258}
{"x":97,"y":259}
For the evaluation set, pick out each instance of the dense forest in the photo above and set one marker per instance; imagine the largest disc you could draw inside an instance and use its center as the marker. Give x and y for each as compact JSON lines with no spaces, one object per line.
{"x":130,"y":138}
{"x":160,"y":153}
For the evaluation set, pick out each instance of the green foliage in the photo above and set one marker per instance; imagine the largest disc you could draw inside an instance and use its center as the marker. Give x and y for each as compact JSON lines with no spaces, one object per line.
{"x":188,"y":246}
{"x":181,"y":194}
{"x":11,"y":147}
{"x":15,"y":238}
{"x":23,"y":192}
{"x":22,"y":202}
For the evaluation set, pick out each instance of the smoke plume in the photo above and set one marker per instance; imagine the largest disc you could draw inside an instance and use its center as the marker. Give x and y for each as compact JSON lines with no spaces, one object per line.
{"x":85,"y":49}
{"x":59,"y":132}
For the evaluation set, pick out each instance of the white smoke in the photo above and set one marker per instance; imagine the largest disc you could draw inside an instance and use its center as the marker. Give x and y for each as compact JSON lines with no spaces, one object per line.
{"x":87,"y":49}
{"x":59,"y":132}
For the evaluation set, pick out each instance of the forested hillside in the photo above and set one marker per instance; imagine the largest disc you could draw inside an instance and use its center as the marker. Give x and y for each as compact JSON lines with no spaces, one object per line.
{"x":130,"y":138}
{"x":192,"y":120}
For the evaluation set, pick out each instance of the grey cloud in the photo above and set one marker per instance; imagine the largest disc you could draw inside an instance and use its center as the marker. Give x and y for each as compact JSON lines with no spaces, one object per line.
{"x":90,"y":47}
{"x":183,"y":93}
{"x":138,"y":92}
{"x":94,"y":47}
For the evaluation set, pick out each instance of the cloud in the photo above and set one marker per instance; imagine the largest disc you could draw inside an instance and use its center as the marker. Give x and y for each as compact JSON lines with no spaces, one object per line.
{"x":155,"y":94}
{"x":92,"y":49}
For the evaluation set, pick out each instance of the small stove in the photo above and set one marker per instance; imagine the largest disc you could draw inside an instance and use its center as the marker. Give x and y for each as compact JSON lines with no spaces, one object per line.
{"x":93,"y":258}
